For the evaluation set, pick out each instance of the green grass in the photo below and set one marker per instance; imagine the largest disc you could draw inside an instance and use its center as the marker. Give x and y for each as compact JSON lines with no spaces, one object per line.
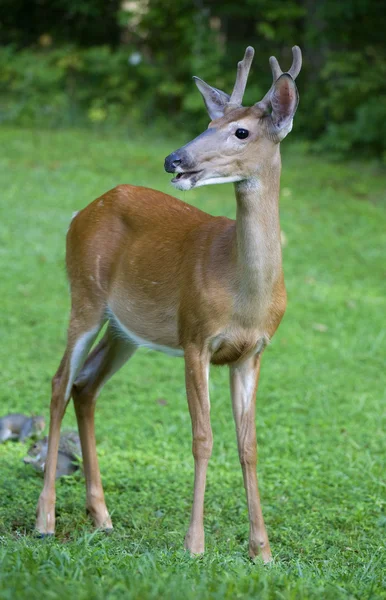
{"x":321,"y":405}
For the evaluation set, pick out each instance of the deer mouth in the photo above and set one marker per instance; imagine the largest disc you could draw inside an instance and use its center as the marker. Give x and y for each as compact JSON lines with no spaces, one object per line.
{"x":184,"y":175}
{"x":185,"y":180}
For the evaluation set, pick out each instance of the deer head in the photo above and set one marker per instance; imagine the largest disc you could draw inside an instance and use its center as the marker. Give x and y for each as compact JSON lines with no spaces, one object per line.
{"x":238,"y":138}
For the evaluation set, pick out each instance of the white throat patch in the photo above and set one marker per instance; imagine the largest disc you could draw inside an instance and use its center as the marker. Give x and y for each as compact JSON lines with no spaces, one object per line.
{"x":213,"y":180}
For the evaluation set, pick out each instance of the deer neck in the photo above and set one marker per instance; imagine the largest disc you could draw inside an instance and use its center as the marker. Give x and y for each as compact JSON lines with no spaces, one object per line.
{"x":257,"y":244}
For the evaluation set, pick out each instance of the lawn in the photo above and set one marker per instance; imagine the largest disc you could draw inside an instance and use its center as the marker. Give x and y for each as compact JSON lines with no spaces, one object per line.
{"x":321,"y":408}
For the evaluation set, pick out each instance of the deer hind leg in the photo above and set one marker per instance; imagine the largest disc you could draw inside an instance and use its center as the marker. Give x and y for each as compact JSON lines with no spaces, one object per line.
{"x":244,"y":380}
{"x":107,"y":357}
{"x":196,"y":376}
{"x":81,"y":335}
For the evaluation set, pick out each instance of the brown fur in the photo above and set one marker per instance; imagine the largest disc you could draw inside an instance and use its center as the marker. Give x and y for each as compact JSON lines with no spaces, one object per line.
{"x":108,"y":254}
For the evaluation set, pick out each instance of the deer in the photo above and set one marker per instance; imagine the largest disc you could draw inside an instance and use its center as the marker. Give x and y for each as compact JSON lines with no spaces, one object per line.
{"x":165,"y":275}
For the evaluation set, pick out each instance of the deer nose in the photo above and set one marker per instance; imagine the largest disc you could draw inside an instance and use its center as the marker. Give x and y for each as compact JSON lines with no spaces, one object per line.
{"x":172,"y":162}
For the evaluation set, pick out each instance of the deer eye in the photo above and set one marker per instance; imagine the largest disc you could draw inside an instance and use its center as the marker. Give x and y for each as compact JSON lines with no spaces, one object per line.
{"x":242,"y":134}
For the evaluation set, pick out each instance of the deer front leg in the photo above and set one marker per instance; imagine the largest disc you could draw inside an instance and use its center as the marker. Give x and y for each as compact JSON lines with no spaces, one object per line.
{"x":196,"y":376}
{"x":244,"y":380}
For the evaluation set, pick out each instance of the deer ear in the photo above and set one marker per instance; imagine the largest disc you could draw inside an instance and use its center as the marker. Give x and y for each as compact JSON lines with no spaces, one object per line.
{"x":284,"y":101}
{"x":215,"y":100}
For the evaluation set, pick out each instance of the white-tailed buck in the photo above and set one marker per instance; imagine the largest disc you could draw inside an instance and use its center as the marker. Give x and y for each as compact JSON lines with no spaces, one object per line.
{"x":170,"y":277}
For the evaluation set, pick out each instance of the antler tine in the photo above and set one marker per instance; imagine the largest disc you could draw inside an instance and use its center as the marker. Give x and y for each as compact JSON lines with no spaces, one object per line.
{"x":275,"y":68}
{"x":277,"y":72}
{"x":295,"y":67}
{"x":243,"y":68}
{"x":296,"y":62}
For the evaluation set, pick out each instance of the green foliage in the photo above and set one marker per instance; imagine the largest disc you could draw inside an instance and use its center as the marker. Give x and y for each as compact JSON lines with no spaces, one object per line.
{"x":147,"y":79}
{"x":69,"y":86}
{"x":94,"y":86}
{"x":320,"y":409}
{"x":353,"y":104}
{"x":112,"y":64}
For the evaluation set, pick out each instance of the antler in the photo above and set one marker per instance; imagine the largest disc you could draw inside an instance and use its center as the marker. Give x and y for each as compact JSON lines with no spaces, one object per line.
{"x":295,"y":67}
{"x":243,"y":68}
{"x":277,"y":72}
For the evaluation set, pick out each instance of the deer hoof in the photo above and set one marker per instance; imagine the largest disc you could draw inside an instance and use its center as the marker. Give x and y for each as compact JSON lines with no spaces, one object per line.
{"x":42,"y":536}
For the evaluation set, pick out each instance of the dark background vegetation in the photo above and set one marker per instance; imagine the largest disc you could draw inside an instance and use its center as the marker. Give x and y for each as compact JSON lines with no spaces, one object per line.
{"x":113,"y":63}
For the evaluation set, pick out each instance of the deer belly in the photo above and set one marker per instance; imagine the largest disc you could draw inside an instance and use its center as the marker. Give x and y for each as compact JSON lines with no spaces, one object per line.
{"x":148,"y":335}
